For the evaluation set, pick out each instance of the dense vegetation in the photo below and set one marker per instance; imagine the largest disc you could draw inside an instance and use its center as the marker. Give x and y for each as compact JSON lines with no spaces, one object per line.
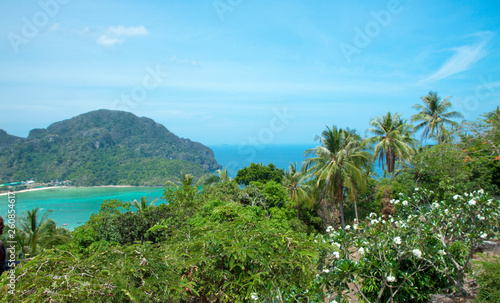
{"x":327,"y":232}
{"x":101,"y":148}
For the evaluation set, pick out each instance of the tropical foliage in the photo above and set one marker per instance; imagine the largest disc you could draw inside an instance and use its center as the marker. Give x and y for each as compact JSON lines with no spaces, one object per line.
{"x":296,"y":235}
{"x":259,"y":173}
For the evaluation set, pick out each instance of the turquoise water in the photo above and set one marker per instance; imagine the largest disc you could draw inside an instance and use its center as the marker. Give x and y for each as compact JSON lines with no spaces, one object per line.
{"x":73,"y":206}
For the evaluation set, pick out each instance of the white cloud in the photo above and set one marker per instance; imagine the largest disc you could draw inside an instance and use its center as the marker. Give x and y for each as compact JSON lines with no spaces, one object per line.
{"x":127,"y":31}
{"x":108,"y":41}
{"x":463,"y":58}
{"x":116,"y":34}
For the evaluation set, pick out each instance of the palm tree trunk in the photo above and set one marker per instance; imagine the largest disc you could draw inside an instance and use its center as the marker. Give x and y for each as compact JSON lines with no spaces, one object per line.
{"x":340,"y":195}
{"x":356,"y":210}
{"x":390,"y":159}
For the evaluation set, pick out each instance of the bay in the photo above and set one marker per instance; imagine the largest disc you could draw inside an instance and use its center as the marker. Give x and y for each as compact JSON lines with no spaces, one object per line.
{"x":74,"y":205}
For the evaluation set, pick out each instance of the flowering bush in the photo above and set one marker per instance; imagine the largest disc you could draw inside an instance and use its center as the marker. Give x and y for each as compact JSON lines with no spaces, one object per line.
{"x":424,"y":248}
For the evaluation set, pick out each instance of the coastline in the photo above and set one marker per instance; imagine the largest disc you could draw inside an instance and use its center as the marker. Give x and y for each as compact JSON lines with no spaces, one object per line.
{"x":30,"y":190}
{"x":57,"y":187}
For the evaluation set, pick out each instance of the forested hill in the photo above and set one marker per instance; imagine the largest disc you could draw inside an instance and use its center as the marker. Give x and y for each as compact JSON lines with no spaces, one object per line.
{"x":103,"y":147}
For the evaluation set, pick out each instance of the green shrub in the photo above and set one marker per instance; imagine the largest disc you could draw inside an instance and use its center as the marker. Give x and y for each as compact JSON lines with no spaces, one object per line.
{"x":489,"y":280}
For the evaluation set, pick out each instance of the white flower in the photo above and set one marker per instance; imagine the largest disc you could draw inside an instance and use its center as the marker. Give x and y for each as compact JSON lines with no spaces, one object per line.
{"x":481,"y":191}
{"x":480,"y":217}
{"x":435,"y":205}
{"x":416,"y":188}
{"x":336,"y":254}
{"x":489,"y":202}
{"x":348,"y":227}
{"x":391,"y":279}
{"x":355,"y":226}
{"x":417,"y":253}
{"x":472,"y":202}
{"x":361,"y":251}
{"x":446,"y":211}
{"x":374,"y":221}
{"x":396,"y":202}
{"x":442,"y":252}
{"x":329,"y":229}
{"x":397,"y":240}
{"x":373,"y":215}
{"x":336,"y":244}
{"x":326,"y":270}
{"x":254,"y":297}
{"x":392,"y":201}
{"x":466,"y":194}
{"x":333,"y":301}
{"x":405,"y":203}
{"x":456,"y":197}
{"x":484,"y":235}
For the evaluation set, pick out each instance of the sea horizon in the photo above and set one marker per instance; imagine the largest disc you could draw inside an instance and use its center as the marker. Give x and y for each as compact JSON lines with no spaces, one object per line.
{"x":238,"y":156}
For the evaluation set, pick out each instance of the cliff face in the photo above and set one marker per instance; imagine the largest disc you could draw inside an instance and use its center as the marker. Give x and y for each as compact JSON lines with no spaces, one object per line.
{"x":103,"y":147}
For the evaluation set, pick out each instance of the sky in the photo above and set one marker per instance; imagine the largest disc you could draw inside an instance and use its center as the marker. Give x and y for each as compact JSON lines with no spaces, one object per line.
{"x":245,"y":72}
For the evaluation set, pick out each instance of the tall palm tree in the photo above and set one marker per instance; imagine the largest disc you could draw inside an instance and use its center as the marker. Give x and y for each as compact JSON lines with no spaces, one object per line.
{"x":38,"y":230}
{"x":295,"y":183}
{"x":339,"y":164}
{"x":434,"y":116}
{"x":393,"y":140}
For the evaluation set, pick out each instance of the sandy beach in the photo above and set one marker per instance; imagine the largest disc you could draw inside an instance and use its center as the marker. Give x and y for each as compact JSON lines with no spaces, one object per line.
{"x":32,"y":189}
{"x":57,"y":187}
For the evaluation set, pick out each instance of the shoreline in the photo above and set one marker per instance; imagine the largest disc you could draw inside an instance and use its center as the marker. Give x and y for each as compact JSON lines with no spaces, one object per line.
{"x":58,"y":187}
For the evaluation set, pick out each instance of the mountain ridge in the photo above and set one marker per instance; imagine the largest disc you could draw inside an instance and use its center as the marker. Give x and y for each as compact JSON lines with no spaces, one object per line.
{"x":98,"y":147}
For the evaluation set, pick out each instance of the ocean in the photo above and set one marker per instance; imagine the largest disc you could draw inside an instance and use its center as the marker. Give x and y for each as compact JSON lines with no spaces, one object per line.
{"x":235,"y":157}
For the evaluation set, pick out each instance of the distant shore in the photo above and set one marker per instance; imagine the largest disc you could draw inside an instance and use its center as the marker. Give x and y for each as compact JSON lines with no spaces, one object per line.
{"x":57,"y":187}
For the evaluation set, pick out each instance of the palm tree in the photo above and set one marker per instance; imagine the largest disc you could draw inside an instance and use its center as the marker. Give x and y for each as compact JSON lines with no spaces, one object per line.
{"x":223,"y":175}
{"x":144,"y":204}
{"x":339,"y":164}
{"x":39,"y":232}
{"x":434,"y":116}
{"x":393,"y":140}
{"x":185,"y":180}
{"x":294,"y":182}
{"x":220,"y":176}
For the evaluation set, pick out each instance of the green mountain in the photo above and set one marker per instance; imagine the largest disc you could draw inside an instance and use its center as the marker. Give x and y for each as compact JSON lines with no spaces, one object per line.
{"x":103,"y":147}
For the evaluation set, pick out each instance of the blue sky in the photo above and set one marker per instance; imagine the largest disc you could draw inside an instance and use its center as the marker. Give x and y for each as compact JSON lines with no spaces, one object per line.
{"x":237,"y":71}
